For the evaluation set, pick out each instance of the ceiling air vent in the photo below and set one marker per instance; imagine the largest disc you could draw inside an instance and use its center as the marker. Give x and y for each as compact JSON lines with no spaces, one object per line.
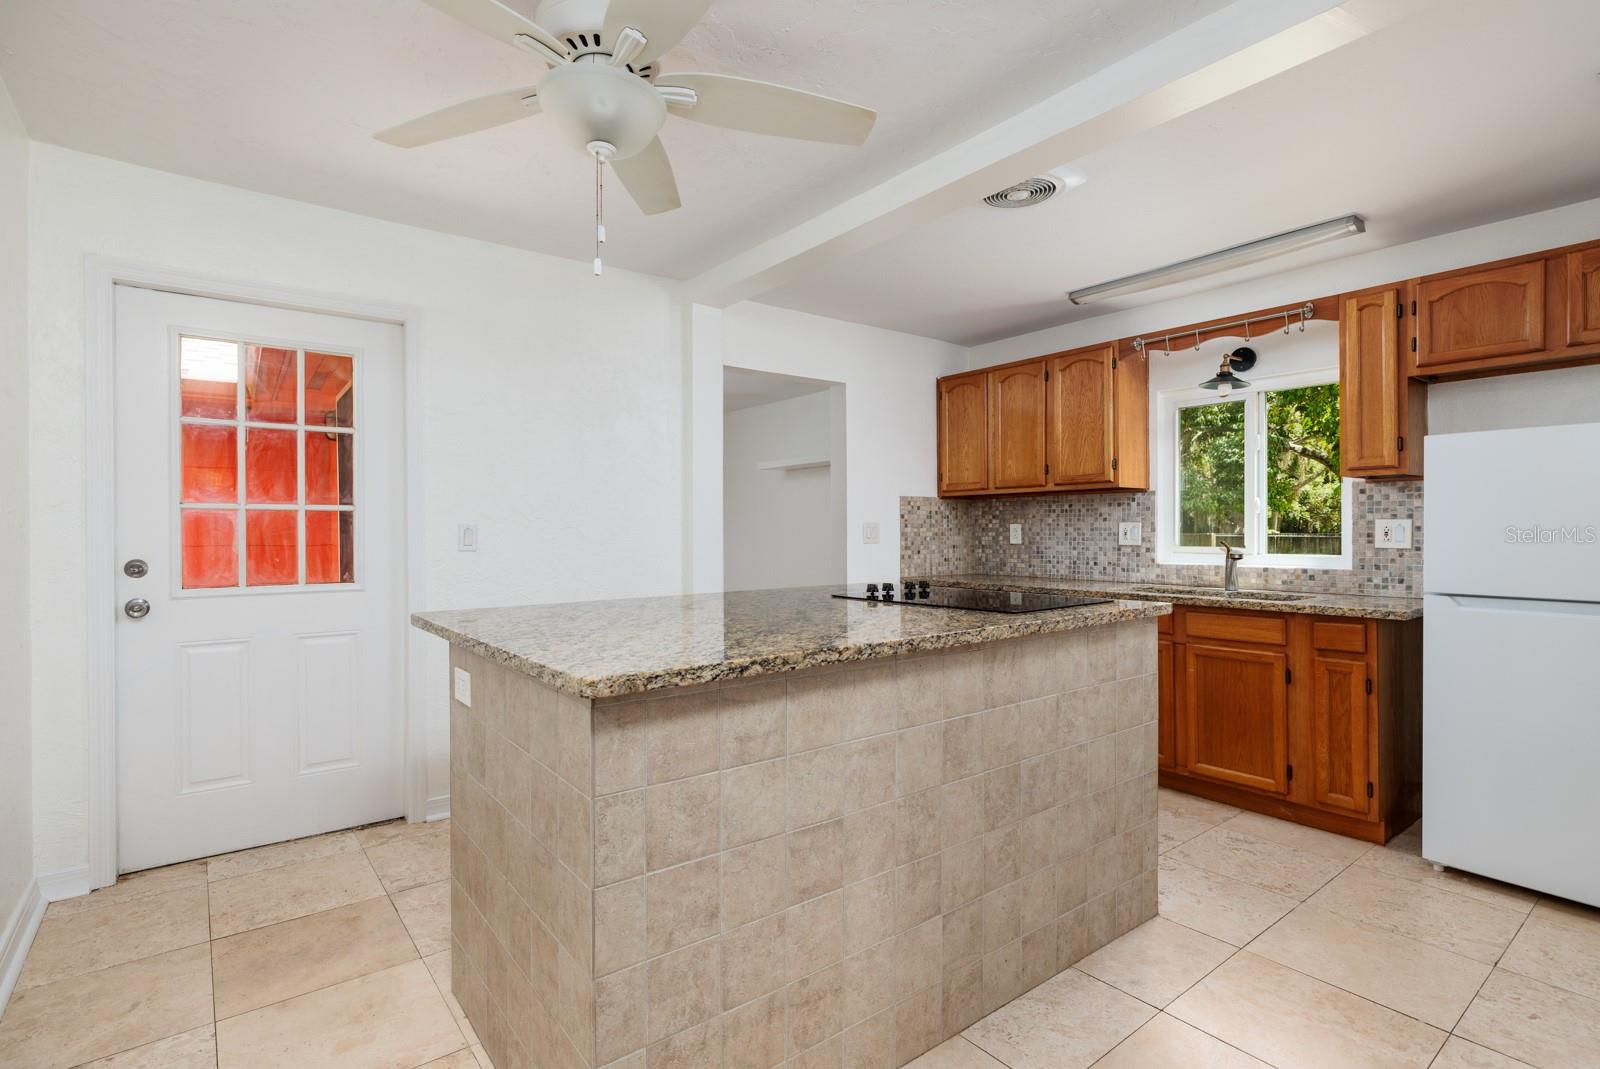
{"x":1023,"y":194}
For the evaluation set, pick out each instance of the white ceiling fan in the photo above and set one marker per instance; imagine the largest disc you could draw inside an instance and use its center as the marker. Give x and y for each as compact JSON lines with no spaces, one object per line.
{"x":604,"y":91}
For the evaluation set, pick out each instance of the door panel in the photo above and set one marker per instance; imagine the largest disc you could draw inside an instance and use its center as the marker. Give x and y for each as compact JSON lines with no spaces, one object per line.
{"x":1583,"y":297}
{"x":1370,"y":394}
{"x":1475,"y":315}
{"x":1166,"y":703}
{"x":1016,"y":426}
{"x":1339,"y":732}
{"x":1235,"y":710}
{"x":1081,"y":417}
{"x":964,"y":434}
{"x":259,"y":699}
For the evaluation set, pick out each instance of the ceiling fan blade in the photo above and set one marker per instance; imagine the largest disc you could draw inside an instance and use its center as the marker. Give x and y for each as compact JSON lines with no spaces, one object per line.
{"x":647,"y":176}
{"x":503,"y":24}
{"x":663,"y":22}
{"x":468,"y":117}
{"x":764,"y":108}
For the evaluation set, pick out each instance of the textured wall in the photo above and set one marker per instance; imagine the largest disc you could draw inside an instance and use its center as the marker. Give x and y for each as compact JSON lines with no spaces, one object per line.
{"x":1075,"y":536}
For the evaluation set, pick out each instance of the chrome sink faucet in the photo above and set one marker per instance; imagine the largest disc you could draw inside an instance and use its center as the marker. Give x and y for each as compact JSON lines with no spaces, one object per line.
{"x":1230,"y":568}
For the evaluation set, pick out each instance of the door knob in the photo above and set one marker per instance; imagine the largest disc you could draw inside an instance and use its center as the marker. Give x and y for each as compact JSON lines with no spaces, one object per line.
{"x":137,"y":608}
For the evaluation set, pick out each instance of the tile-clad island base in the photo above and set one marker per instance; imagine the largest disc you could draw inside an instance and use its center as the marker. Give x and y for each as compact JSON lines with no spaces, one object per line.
{"x":833,"y":866}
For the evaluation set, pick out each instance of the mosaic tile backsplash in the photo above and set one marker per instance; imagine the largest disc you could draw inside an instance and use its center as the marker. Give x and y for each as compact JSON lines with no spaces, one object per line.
{"x":1074,"y":536}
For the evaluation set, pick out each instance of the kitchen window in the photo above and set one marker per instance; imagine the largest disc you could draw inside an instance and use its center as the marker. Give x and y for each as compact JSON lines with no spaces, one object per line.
{"x":1258,"y":470}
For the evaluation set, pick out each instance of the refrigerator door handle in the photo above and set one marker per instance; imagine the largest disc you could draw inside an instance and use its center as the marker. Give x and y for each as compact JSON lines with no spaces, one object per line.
{"x":1524,"y":605}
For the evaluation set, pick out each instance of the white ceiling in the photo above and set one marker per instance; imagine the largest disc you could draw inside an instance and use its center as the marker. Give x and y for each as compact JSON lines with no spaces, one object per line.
{"x":743,"y":388}
{"x":282,"y":97}
{"x":1476,"y":111}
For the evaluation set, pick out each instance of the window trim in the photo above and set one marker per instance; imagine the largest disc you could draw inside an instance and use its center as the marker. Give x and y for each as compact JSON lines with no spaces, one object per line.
{"x":1168,"y":402}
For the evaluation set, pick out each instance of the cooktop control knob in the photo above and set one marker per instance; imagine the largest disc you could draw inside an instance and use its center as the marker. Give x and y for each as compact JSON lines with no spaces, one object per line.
{"x":888,"y":587}
{"x":872,"y":590}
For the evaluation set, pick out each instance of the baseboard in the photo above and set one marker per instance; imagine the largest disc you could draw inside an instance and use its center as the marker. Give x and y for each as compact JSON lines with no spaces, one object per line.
{"x":437,"y":808}
{"x":17,"y":937}
{"x":68,"y":883}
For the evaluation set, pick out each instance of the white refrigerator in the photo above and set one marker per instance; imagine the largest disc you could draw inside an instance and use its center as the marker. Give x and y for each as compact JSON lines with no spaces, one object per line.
{"x":1511,"y":657}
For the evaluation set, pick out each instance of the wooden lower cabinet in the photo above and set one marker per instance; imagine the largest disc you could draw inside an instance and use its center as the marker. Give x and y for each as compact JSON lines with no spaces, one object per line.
{"x":1235,"y":714}
{"x":1312,"y":719}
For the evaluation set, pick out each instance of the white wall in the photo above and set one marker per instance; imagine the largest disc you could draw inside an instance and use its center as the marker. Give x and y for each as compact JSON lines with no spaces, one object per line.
{"x":780,"y":528}
{"x":550,"y":403}
{"x":1563,"y":395}
{"x":889,"y":419}
{"x":16,"y":822}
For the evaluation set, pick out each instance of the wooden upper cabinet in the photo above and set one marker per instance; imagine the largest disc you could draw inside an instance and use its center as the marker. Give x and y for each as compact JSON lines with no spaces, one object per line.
{"x":1382,"y":413}
{"x":1235,"y":714}
{"x":1083,"y":417}
{"x":1480,"y":314}
{"x":964,"y":433}
{"x":1017,"y":426}
{"x":1583,"y":296}
{"x":1341,"y":725}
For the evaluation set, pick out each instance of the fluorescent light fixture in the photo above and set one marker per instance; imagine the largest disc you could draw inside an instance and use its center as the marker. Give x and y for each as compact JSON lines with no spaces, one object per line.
{"x":1223,"y":259}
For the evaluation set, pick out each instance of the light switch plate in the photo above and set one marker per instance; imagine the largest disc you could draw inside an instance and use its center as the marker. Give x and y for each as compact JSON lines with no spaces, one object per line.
{"x":869,"y":534}
{"x":1016,"y":534}
{"x":467,"y":537}
{"x":1391,"y":534}
{"x":1130,"y":534}
{"x":463,"y":687}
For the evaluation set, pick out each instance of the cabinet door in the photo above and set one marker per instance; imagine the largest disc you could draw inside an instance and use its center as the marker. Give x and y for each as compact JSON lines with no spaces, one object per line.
{"x":1016,"y":426}
{"x":964,"y":433}
{"x":1166,"y":707}
{"x":1340,"y":721}
{"x":1583,"y":297}
{"x":1476,"y":315}
{"x":1082,"y":423}
{"x":1236,"y":715}
{"x":1372,"y":397}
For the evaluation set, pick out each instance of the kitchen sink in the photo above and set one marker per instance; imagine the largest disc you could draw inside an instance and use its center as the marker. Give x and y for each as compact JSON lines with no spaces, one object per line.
{"x":1217,"y":592}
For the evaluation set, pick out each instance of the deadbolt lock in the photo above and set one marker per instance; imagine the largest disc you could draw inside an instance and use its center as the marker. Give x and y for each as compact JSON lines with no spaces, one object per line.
{"x":136,"y":569}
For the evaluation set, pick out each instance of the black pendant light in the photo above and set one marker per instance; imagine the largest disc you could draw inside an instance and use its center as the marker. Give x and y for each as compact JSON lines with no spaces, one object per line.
{"x":1225,"y":381}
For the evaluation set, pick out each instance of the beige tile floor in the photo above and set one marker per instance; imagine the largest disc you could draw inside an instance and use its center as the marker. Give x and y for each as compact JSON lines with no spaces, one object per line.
{"x":1277,"y":946}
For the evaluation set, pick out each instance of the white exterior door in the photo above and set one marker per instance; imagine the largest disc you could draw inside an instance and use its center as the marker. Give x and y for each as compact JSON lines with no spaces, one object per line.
{"x":259,"y":648}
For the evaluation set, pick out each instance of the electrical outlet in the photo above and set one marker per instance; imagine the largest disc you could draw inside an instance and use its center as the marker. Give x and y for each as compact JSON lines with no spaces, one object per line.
{"x":463,"y":687}
{"x":467,"y":537}
{"x":1391,"y":534}
{"x":869,"y":534}
{"x":1130,"y":534}
{"x":1016,"y":534}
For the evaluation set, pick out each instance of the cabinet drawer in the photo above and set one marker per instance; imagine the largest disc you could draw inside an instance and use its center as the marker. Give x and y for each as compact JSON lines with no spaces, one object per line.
{"x":1265,"y":628}
{"x":1347,"y":638}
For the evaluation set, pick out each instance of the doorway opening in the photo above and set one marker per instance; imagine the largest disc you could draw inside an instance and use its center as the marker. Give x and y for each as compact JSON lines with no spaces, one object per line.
{"x":783,"y":480}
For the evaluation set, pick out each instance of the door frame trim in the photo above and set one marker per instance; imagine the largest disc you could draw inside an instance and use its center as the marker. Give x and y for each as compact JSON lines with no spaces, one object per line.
{"x":102,"y":275}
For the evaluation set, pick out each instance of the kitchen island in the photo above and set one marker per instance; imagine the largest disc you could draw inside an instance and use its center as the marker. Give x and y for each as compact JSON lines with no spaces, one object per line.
{"x":747,"y":828}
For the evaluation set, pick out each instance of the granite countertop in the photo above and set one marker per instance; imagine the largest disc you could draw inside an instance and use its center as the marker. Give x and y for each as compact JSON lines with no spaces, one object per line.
{"x":1353,"y":605}
{"x":605,"y":649}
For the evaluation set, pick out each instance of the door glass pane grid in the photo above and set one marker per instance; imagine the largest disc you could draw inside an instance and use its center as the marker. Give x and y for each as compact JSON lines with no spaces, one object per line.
{"x":279,"y":511}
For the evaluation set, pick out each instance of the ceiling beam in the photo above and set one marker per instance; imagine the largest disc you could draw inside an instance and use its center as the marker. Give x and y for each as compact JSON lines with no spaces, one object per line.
{"x":1233,"y":49}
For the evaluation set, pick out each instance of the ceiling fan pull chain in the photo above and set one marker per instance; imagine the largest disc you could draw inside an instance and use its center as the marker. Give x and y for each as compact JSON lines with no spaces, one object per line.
{"x":599,"y":210}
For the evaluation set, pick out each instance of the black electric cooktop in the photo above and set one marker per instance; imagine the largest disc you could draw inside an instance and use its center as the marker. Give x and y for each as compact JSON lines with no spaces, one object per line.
{"x":983,"y":599}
